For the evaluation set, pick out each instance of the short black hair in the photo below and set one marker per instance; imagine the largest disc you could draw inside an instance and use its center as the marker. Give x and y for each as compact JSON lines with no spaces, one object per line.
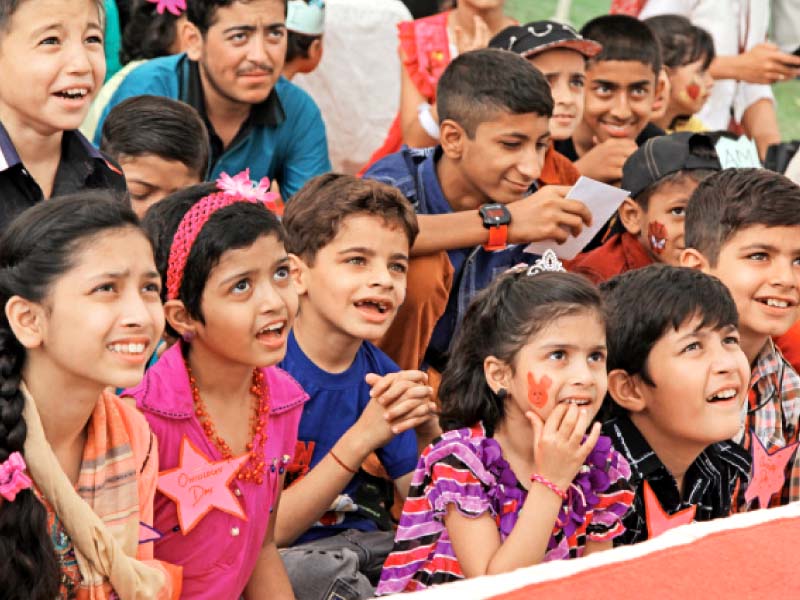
{"x":624,"y":38}
{"x":160,"y":126}
{"x":734,"y":199}
{"x":232,"y":227}
{"x":643,"y":304}
{"x":202,"y":13}
{"x":298,"y":45}
{"x":478,"y":84}
{"x":681,"y":42}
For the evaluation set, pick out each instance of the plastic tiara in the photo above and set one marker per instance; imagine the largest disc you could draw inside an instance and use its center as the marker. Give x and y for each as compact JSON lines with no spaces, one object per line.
{"x":175,"y":7}
{"x":231,"y":190}
{"x":307,"y":18}
{"x":547,"y":263}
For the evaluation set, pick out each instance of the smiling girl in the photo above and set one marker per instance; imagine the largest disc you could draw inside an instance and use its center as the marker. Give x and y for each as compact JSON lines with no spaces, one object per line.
{"x":216,"y":397}
{"x":82,"y":312}
{"x":515,"y":480}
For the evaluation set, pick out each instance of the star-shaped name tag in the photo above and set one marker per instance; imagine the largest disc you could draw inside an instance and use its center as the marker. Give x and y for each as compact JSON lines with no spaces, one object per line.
{"x":197,"y":486}
{"x":657,"y":519}
{"x":769,"y":471}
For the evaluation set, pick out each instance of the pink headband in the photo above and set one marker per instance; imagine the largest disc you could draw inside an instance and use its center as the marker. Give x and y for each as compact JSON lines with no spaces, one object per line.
{"x":231,"y":190}
{"x":176,"y":7}
{"x":12,"y":476}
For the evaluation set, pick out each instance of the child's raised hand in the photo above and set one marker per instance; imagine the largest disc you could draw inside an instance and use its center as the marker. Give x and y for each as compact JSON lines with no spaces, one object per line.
{"x":558,"y":446}
{"x":604,"y":161}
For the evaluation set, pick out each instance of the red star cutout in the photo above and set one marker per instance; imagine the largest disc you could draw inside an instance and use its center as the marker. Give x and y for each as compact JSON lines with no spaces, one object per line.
{"x":198,"y":486}
{"x":769,"y":471}
{"x":657,"y":519}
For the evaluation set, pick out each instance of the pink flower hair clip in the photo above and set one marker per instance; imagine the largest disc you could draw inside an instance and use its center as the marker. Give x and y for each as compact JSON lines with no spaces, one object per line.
{"x":176,"y":7}
{"x":12,"y":477}
{"x":241,"y":186}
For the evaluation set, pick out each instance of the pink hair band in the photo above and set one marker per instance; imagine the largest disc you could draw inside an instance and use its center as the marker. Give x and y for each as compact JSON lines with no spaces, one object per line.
{"x":12,"y":477}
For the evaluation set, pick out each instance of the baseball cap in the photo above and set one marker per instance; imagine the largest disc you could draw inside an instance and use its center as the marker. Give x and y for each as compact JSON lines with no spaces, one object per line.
{"x":539,"y":36}
{"x":666,"y":154}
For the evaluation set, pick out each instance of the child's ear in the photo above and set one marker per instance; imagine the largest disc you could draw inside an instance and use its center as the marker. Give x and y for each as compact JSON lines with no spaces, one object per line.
{"x":179,"y":318}
{"x":625,"y":390}
{"x":693,"y":259}
{"x":451,"y":137}
{"x":315,"y":52}
{"x":191,"y":39}
{"x":299,"y":272}
{"x":26,"y":321}
{"x":631,"y":215}
{"x":498,"y":373}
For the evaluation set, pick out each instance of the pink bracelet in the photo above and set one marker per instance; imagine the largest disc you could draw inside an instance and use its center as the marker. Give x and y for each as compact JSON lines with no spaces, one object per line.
{"x":549,"y":485}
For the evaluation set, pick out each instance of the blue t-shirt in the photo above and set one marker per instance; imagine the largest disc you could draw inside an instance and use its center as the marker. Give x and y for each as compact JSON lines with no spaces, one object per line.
{"x":336,"y":402}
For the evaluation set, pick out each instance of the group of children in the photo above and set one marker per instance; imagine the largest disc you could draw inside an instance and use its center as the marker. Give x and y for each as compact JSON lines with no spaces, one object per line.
{"x":335,"y":387}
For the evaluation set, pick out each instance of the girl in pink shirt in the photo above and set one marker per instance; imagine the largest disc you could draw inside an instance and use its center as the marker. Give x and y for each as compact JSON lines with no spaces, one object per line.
{"x":225,"y":417}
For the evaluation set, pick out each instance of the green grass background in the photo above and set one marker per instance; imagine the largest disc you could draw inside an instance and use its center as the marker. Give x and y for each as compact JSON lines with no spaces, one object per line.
{"x":787,"y":94}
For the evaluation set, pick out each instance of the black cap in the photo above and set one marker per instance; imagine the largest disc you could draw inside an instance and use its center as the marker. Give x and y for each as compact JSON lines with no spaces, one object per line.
{"x":665,"y":154}
{"x":539,"y":36}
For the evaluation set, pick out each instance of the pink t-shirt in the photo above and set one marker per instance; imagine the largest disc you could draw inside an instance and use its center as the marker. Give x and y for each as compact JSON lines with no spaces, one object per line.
{"x":219,"y":554}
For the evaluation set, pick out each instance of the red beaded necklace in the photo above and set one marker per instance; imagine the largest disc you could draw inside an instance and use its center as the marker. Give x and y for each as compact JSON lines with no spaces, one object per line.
{"x":253,"y":470}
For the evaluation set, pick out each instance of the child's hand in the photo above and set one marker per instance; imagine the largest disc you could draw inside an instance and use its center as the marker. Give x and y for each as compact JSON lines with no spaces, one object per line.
{"x":399,"y":401}
{"x":547,"y":215}
{"x":604,"y":161}
{"x":557,"y":448}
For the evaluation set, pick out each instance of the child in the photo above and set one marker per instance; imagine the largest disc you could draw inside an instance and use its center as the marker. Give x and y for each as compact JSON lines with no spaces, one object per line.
{"x":515,"y":480}
{"x":161,"y":145}
{"x":620,"y":90}
{"x":305,"y":24}
{"x":560,"y":53}
{"x":687,"y":52}
{"x":41,"y":154}
{"x":81,"y":312}
{"x":471,"y":195}
{"x":743,"y":226}
{"x":349,"y":239}
{"x":661,"y":176}
{"x":216,"y":395}
{"x":679,"y":379}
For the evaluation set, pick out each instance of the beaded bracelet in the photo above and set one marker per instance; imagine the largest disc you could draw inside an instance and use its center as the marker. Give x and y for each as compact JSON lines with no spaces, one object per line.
{"x":341,"y":464}
{"x":549,"y":485}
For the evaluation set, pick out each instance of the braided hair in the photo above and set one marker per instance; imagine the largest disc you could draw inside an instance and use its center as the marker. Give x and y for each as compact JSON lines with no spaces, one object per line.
{"x":35,"y":250}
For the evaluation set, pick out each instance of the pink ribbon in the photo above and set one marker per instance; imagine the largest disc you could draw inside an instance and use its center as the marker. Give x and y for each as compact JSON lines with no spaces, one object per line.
{"x":12,"y":477}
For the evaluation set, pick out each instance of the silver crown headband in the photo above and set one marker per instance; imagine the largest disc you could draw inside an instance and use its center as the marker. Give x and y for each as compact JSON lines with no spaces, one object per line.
{"x":547,"y":263}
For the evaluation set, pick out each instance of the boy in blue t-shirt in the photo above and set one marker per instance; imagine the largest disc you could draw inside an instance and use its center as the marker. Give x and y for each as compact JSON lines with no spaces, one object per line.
{"x":350,"y":242}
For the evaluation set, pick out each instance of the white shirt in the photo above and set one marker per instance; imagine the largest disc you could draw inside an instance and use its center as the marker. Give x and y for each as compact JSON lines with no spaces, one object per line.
{"x":732,"y":23}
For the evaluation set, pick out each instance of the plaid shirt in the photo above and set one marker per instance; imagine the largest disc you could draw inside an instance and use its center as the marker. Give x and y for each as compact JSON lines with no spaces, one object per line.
{"x":709,"y":484}
{"x":773,"y":412}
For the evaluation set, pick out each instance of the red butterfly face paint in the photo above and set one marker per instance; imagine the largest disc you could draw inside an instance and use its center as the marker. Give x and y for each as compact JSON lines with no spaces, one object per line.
{"x":657,"y":236}
{"x":537,"y":391}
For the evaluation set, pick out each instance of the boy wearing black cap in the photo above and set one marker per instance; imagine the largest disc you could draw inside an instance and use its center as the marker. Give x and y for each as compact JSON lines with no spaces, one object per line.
{"x":661,"y":176}
{"x":560,"y":53}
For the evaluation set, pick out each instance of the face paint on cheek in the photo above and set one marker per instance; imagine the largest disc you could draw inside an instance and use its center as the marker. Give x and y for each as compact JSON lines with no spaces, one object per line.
{"x":657,"y":236}
{"x":537,"y":391}
{"x":693,"y":91}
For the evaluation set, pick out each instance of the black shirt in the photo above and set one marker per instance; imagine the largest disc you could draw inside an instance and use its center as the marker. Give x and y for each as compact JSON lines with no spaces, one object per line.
{"x":82,"y":166}
{"x":709,"y":483}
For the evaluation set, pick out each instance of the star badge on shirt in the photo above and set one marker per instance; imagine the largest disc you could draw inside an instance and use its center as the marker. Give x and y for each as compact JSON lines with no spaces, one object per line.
{"x":657,"y":519}
{"x":198,"y":486}
{"x":769,"y":471}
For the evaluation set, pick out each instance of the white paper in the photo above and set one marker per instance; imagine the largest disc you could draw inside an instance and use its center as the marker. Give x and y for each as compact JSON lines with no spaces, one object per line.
{"x":602,"y":200}
{"x":737,"y":154}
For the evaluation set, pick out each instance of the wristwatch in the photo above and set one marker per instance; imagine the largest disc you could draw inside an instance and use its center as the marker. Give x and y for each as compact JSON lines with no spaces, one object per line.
{"x":496,"y":219}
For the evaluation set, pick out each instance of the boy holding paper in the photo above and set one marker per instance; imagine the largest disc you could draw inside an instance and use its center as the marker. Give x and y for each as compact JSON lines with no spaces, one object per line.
{"x":476,"y":197}
{"x":661,"y":176}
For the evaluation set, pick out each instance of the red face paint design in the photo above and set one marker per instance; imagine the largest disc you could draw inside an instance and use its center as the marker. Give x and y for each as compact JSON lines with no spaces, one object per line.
{"x":537,"y":391}
{"x":657,"y":236}
{"x":693,"y":91}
